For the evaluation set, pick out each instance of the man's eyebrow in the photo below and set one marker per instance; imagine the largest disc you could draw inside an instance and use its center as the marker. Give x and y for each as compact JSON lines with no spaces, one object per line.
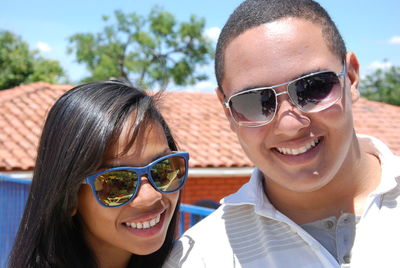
{"x":310,"y":72}
{"x":293,"y":78}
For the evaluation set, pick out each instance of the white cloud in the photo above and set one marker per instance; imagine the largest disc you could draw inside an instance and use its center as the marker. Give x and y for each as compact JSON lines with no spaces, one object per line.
{"x":207,"y":86}
{"x":373,"y":66}
{"x":395,"y":40}
{"x":43,"y":47}
{"x":213,"y":33}
{"x":203,"y":86}
{"x":379,"y":65}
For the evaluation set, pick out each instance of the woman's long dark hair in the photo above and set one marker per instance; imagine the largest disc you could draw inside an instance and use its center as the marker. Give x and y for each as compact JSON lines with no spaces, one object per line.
{"x":79,"y":128}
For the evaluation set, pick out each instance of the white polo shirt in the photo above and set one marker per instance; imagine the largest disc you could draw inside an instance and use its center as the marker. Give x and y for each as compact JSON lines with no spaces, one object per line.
{"x":247,"y":231}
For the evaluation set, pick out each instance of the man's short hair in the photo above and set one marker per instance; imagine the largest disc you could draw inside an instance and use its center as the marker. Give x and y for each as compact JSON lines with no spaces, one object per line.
{"x":252,"y":13}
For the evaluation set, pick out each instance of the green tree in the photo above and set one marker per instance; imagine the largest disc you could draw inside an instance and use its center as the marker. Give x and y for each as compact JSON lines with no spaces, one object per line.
{"x":145,"y":51}
{"x":382,"y":85}
{"x":20,"y":65}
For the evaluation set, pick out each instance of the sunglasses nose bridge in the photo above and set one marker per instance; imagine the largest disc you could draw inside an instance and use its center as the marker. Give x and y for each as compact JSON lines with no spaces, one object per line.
{"x":289,"y":98}
{"x":285,"y":87}
{"x":142,"y":173}
{"x":143,"y":170}
{"x":146,"y":194}
{"x":283,"y":93}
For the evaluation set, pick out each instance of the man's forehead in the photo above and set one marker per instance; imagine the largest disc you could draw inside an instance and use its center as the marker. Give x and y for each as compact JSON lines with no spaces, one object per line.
{"x":282,"y":44}
{"x":282,"y":28}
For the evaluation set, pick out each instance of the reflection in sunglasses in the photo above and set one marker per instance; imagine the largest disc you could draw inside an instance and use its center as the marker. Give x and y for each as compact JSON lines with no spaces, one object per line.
{"x":116,"y":186}
{"x":310,"y":93}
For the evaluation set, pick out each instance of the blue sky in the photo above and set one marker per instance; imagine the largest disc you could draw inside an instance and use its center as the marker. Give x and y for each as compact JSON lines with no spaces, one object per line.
{"x":370,"y":28}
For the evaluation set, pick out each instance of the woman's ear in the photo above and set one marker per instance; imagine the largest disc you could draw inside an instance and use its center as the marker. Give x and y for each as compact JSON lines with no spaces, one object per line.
{"x":353,"y":68}
{"x":74,"y":211}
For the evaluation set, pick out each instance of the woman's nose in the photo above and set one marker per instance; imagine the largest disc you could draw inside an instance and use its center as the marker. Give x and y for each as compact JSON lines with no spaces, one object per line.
{"x":147,"y":195}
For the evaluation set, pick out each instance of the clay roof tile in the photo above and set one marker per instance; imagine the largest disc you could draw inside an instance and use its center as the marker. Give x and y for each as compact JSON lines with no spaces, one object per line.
{"x":196,"y":119}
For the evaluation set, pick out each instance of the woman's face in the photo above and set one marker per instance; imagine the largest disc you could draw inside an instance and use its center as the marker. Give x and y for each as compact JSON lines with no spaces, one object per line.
{"x":109,"y":231}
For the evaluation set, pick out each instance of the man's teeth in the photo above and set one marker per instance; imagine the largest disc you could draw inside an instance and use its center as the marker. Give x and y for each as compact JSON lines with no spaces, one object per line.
{"x":143,"y":225}
{"x":300,"y":150}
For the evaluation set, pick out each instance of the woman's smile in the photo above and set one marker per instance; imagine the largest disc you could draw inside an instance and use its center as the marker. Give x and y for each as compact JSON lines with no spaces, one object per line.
{"x":146,"y":228}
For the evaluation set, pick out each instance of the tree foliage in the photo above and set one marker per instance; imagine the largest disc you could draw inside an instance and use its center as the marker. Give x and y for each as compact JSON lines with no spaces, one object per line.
{"x":382,"y":85}
{"x":20,"y":65}
{"x":145,"y":51}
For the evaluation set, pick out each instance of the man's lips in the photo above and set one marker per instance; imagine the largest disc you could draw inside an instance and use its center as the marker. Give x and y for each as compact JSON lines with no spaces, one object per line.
{"x":299,"y":150}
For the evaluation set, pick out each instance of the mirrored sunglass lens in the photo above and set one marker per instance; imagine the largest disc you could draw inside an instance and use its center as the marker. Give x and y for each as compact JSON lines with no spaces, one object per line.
{"x":315,"y":92}
{"x":116,"y":187}
{"x":169,"y":174}
{"x":253,"y":107}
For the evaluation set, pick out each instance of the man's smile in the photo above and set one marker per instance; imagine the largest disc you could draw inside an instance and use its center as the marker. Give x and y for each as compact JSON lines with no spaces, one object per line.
{"x":300,"y":150}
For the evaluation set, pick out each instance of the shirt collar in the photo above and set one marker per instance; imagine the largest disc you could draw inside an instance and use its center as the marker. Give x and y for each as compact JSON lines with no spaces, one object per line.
{"x":252,"y":193}
{"x":390,"y":163}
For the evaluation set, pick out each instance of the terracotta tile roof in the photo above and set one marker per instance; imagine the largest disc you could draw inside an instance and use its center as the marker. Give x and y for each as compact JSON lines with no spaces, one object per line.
{"x":22,"y":113}
{"x":200,"y":127}
{"x":380,"y":120}
{"x":196,"y":119}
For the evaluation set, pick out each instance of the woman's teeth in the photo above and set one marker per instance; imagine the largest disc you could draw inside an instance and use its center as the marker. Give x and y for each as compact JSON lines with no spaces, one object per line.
{"x":144,"y":224}
{"x":300,"y":150}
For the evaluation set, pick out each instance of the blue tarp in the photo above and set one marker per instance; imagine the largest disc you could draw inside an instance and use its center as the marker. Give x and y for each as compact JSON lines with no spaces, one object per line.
{"x":13,"y":195}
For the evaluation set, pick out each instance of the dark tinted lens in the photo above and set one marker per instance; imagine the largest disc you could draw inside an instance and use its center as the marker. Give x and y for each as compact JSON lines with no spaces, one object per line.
{"x":169,"y":174}
{"x":253,"y":107}
{"x":316,"y":91}
{"x":116,"y":187}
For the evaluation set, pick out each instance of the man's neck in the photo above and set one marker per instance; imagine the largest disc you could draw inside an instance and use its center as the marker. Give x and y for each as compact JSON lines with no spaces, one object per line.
{"x":345,"y":193}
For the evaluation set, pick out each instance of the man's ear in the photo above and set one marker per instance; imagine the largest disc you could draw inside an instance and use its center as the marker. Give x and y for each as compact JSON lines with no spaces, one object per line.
{"x":221,"y":98}
{"x":353,"y":69}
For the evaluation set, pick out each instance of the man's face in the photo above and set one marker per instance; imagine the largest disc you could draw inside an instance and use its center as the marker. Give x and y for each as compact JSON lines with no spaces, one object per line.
{"x":275,"y":53}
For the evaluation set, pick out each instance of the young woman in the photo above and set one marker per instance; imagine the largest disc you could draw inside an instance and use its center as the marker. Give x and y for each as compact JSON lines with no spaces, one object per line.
{"x":105,"y":189}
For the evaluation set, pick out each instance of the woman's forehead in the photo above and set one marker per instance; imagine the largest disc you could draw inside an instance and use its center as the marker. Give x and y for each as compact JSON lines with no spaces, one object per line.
{"x":137,"y":146}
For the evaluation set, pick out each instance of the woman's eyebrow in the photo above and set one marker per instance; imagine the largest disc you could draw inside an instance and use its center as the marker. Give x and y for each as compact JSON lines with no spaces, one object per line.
{"x":108,"y":165}
{"x":167,"y":151}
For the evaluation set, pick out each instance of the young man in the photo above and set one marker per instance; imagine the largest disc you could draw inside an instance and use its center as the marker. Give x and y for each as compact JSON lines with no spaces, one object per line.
{"x":320,"y":195}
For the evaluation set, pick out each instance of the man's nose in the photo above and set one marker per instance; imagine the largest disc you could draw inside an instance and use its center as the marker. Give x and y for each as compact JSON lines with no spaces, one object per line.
{"x":289,"y":120}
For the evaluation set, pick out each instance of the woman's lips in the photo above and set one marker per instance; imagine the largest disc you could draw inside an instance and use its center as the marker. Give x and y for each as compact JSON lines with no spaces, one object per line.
{"x":148,"y":227}
{"x":144,"y":224}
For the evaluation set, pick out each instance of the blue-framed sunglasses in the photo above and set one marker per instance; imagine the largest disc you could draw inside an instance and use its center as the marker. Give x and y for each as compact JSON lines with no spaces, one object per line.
{"x":115,"y":187}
